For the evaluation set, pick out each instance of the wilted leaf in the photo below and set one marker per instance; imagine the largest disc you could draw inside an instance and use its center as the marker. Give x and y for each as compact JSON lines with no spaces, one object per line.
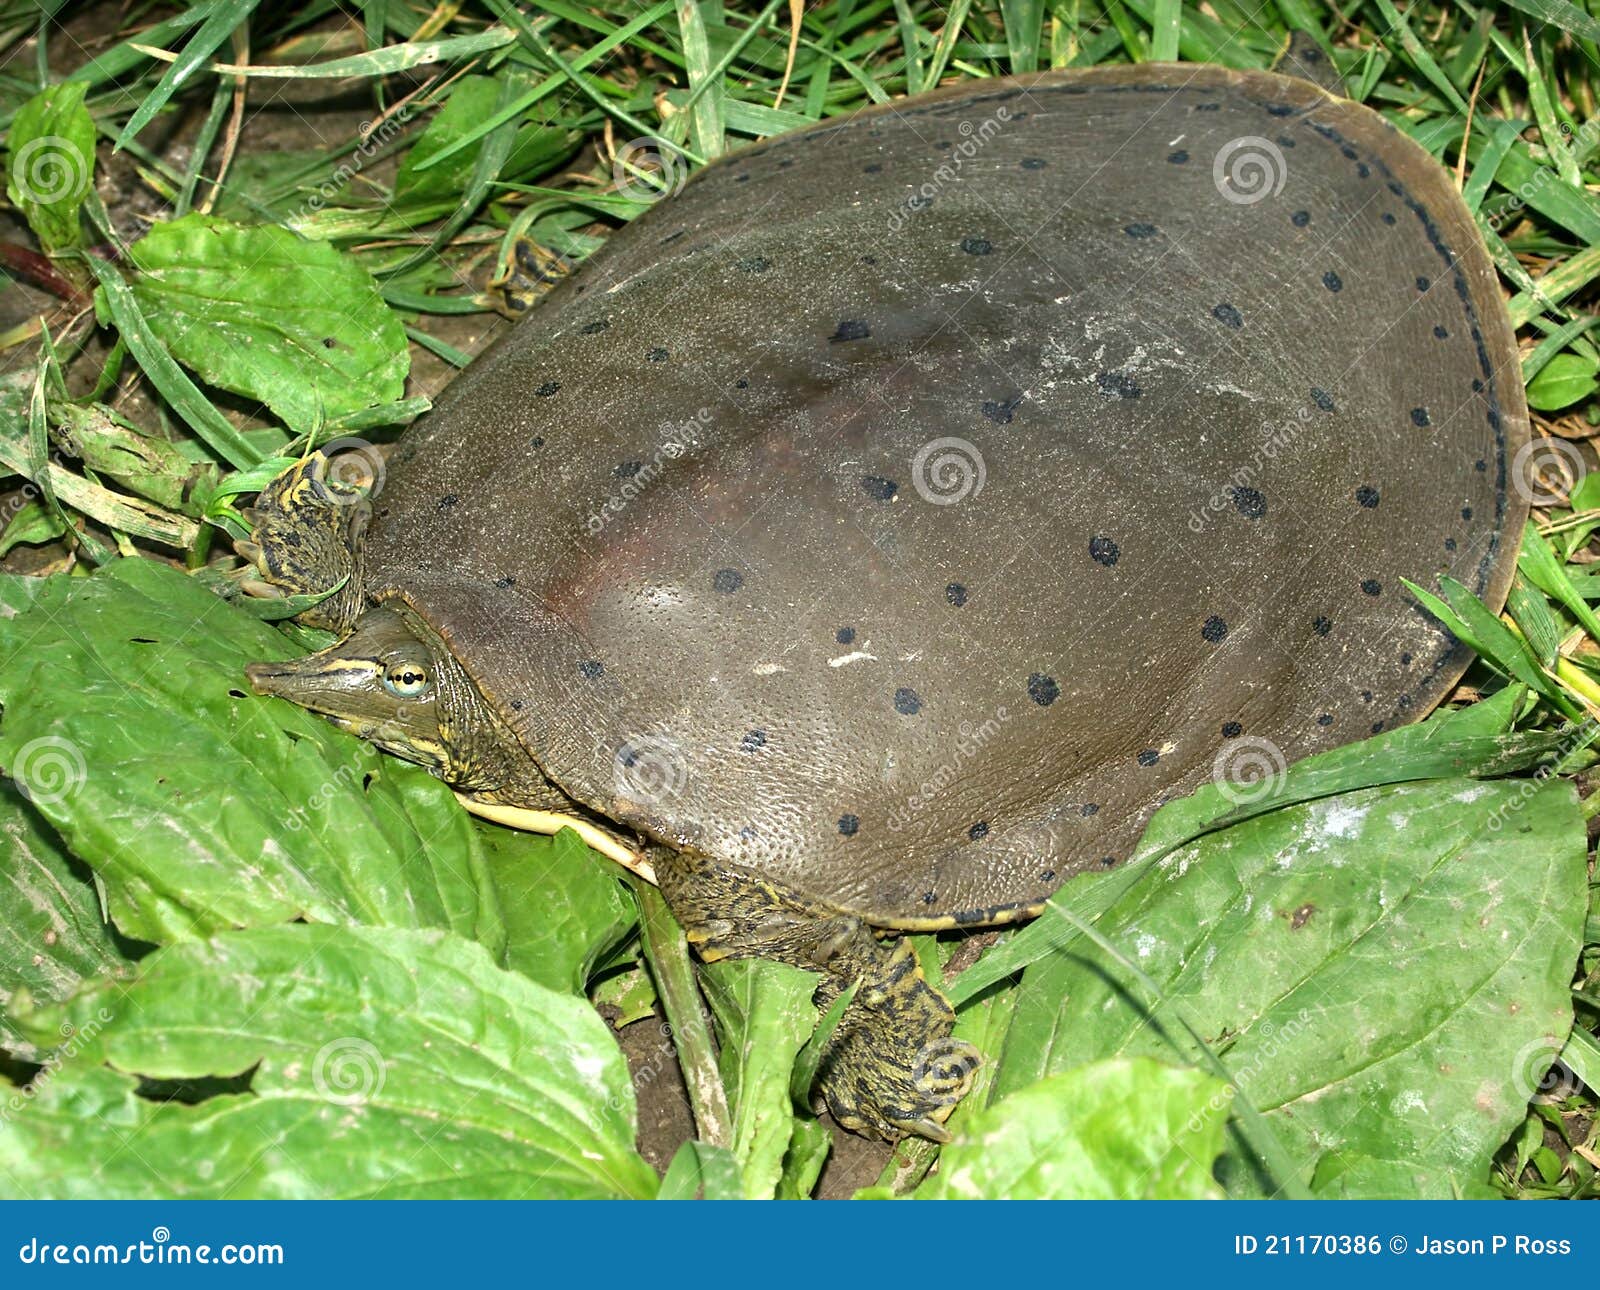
{"x":200,"y":805}
{"x":51,"y":933}
{"x":1125,"y":1129}
{"x":378,"y":1062}
{"x":299,"y":325}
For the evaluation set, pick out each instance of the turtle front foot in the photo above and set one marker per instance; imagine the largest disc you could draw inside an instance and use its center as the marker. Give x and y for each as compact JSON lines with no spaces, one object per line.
{"x":306,"y":529}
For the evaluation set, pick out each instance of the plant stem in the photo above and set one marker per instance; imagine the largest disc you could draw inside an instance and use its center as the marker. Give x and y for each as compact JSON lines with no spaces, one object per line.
{"x":667,"y":952}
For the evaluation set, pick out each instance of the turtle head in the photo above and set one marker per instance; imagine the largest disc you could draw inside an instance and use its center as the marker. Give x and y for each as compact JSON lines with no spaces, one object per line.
{"x":380,"y":682}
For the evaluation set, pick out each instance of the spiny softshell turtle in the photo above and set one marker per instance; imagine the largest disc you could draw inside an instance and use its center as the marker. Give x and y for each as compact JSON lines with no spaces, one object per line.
{"x":885,"y":525}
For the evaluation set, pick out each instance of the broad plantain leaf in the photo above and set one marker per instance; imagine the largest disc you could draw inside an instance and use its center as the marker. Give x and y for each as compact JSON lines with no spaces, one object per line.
{"x":764,"y":1016}
{"x":1123,"y":1129}
{"x":200,"y":806}
{"x":563,"y":905}
{"x":375,"y":1063}
{"x":298,"y":325}
{"x":51,"y":933}
{"x":1384,"y":972}
{"x":50,"y":164}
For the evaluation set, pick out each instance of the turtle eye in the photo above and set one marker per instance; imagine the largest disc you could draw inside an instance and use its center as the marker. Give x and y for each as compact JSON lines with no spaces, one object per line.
{"x":405,"y":680}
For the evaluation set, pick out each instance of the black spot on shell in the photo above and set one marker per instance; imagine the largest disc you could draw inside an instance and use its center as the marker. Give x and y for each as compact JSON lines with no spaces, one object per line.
{"x":628,"y":469}
{"x":1231,"y":730}
{"x":1367,"y":496}
{"x":878,"y":488}
{"x":1001,"y":412}
{"x":753,"y":741}
{"x":506,"y":583}
{"x":1377,"y":727}
{"x":1419,"y":417}
{"x":595,"y":328}
{"x":849,"y":825}
{"x":1249,"y":502}
{"x":656,"y":355}
{"x":1227,"y":315}
{"x":1049,"y":875}
{"x":851,"y":329}
{"x":1466,"y":512}
{"x":1440,"y":333}
{"x":1102,"y":550}
{"x":1033,"y":163}
{"x":1422,"y":283}
{"x":956,"y":594}
{"x":727,"y":581}
{"x":1178,"y":158}
{"x":547,"y":389}
{"x":1405,"y":660}
{"x":1280,"y":109}
{"x":1120,"y":384}
{"x":1388,"y":218}
{"x":1043,"y":689}
{"x":1325,"y":719}
{"x":1215,"y":629}
{"x":1332,"y":281}
{"x":1088,"y":809}
{"x":1140,"y":230}
{"x":1349,"y":152}
{"x":976,"y":245}
{"x":742,"y":383}
{"x":536,"y":442}
{"x":447,"y":501}
{"x":1449,"y":544}
{"x":516,"y":705}
{"x":1322,"y":399}
{"x":755,"y":264}
{"x":907,"y":702}
{"x":979,"y":831}
{"x":928,"y":897}
{"x":1322,"y":626}
{"x":872,"y":168}
{"x":591,"y":669}
{"x":845,"y":635}
{"x":1371,"y":587}
{"x":1149,"y":757}
{"x":1300,"y":219}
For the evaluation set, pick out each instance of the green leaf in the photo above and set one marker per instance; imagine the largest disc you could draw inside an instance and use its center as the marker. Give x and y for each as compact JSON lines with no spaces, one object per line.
{"x":764,"y":1014}
{"x":563,"y":904}
{"x":200,"y":805}
{"x":702,"y":1171}
{"x":473,"y":99}
{"x":51,"y":933}
{"x":1124,"y":1129}
{"x":362,"y":1062}
{"x":300,"y":326}
{"x":1380,"y":969}
{"x":50,"y":164}
{"x":1562,"y":381}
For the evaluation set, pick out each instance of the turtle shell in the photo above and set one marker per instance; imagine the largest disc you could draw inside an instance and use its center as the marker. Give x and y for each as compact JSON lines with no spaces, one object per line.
{"x":913,"y":503}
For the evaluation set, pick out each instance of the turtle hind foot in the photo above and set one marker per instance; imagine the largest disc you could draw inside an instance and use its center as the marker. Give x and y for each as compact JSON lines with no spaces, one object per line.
{"x":306,"y":529}
{"x":530,"y":271}
{"x":891,"y":1067}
